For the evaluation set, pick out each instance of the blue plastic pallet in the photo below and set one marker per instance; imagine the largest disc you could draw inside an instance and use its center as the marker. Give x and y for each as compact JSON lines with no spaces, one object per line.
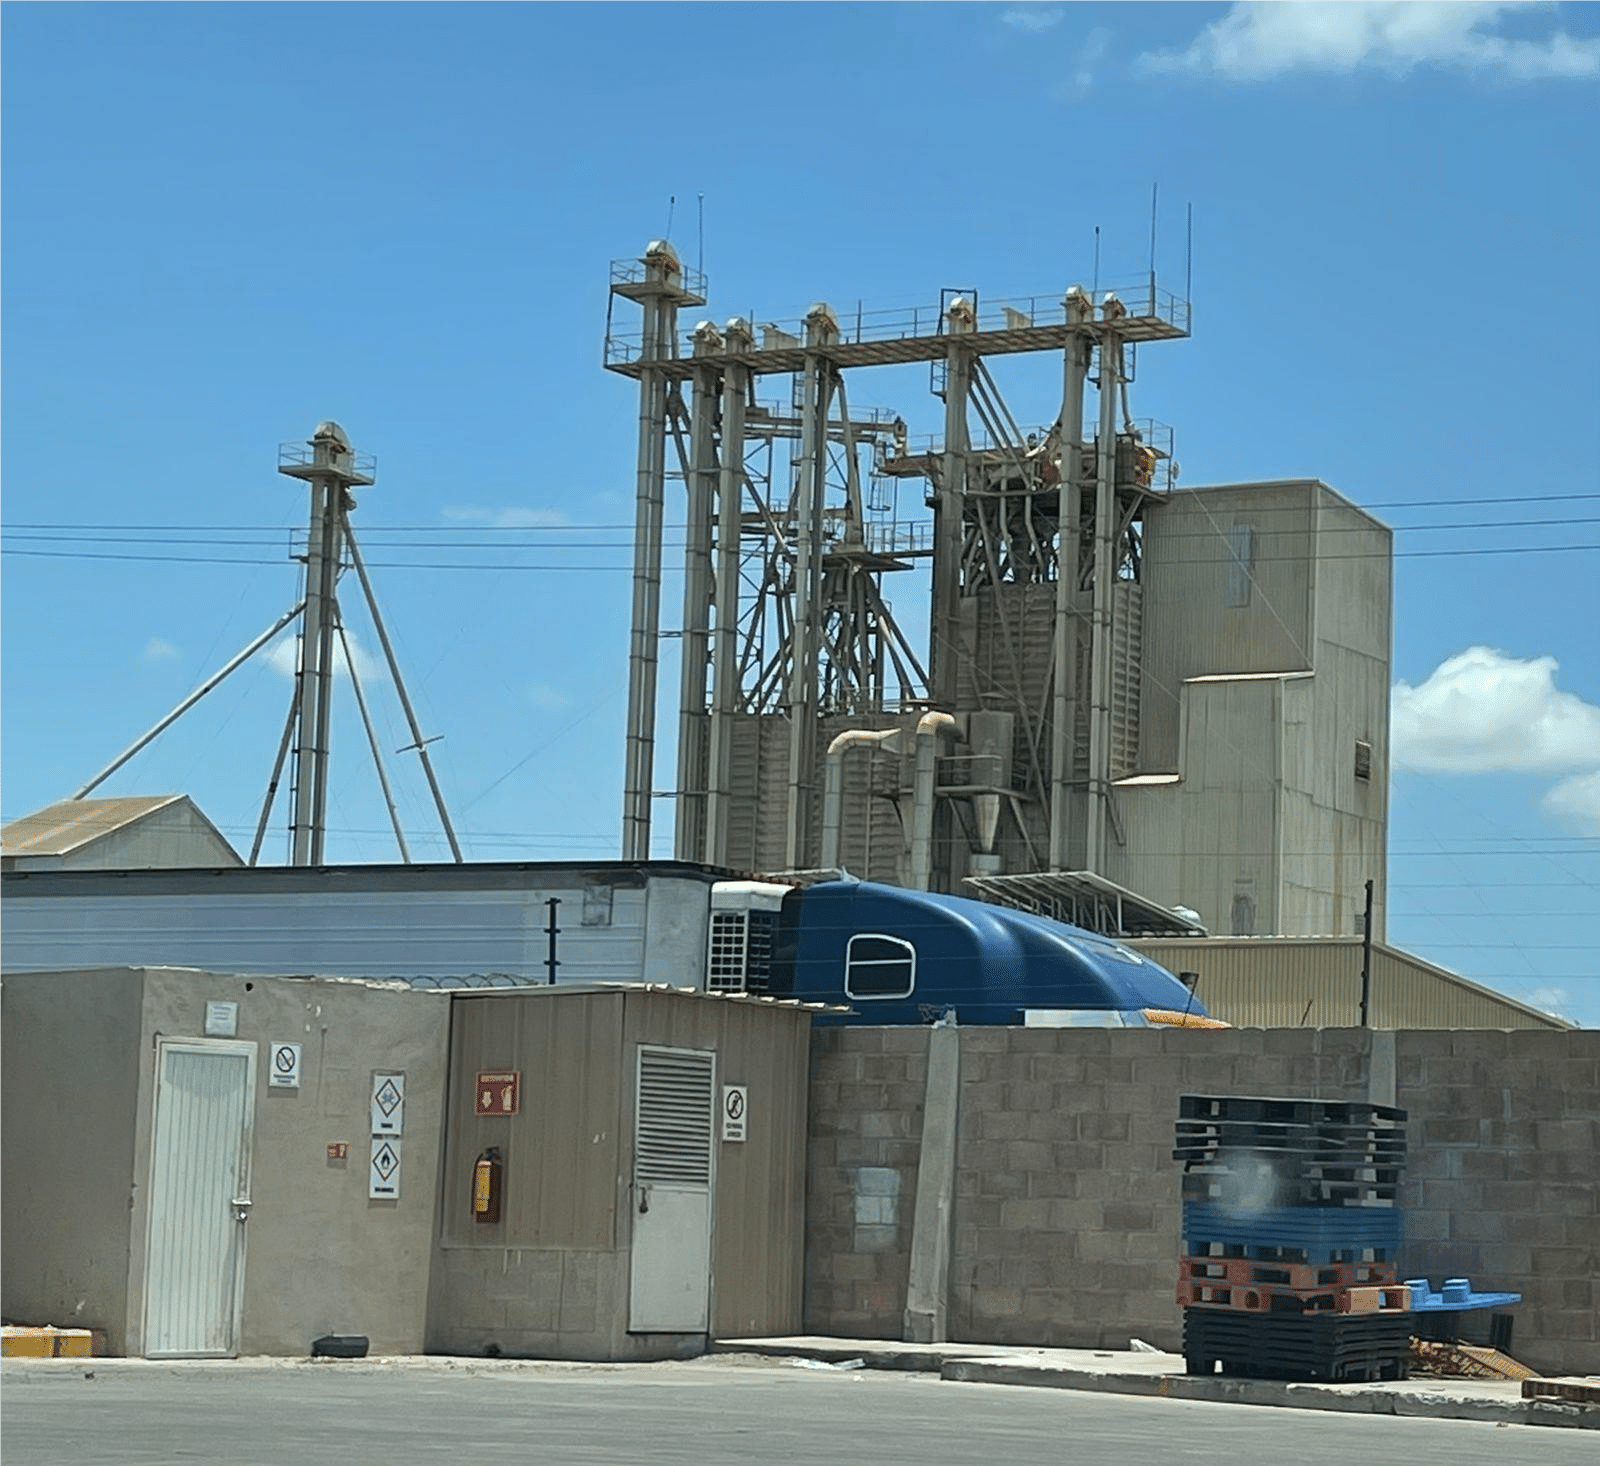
{"x":1318,"y":1231}
{"x":1456,"y":1294}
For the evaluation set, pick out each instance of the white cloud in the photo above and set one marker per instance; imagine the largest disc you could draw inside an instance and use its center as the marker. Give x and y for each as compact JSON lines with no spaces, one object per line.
{"x":158,"y":649}
{"x":283,"y":654}
{"x":507,"y":518}
{"x":1033,"y":18}
{"x":1576,"y":802}
{"x":547,"y":698}
{"x":1256,"y":40}
{"x":1549,"y":999}
{"x":1484,"y":712}
{"x":1085,"y":62}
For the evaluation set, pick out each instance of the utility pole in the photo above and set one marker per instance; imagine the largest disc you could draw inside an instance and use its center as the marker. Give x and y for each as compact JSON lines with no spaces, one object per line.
{"x":1366,"y":959}
{"x":332,"y":471}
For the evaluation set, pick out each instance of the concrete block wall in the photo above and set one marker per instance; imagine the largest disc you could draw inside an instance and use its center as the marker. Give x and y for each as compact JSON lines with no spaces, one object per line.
{"x":1067,"y":1209}
{"x":864,"y":1138}
{"x":1503,"y":1184}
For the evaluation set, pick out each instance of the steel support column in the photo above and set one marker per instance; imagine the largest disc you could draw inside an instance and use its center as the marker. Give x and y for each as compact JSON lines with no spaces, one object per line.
{"x":725,"y":640}
{"x":1105,"y":577}
{"x":943,"y":654}
{"x":822,"y":330}
{"x":698,"y":582}
{"x":660,"y":319}
{"x":1064,"y":706}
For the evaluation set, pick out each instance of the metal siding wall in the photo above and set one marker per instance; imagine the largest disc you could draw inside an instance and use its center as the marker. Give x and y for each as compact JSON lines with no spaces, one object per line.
{"x":562,"y":1150}
{"x":758,"y":1242}
{"x":1189,"y":630}
{"x":332,"y":934}
{"x":1269,"y":984}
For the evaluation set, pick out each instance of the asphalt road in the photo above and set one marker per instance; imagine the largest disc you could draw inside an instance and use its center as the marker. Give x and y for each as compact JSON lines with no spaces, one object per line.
{"x":705,"y":1413}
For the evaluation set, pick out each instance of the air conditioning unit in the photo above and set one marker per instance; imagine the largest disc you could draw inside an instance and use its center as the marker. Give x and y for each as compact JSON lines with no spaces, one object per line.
{"x":744,"y":926}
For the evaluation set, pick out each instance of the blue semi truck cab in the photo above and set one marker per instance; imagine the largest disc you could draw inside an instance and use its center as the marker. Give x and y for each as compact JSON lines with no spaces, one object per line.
{"x":896,"y":956}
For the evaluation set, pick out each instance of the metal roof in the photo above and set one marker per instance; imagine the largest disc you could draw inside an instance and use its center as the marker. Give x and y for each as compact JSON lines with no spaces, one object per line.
{"x":1087,"y":900}
{"x":69,"y":825}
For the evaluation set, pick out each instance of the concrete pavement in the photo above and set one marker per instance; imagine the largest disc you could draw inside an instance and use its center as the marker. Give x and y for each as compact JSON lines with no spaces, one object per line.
{"x":728,"y":1410}
{"x":1162,"y":1375}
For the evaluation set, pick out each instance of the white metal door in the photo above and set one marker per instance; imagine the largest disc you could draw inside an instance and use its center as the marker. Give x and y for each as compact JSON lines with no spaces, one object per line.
{"x":674,"y":1110}
{"x":199,"y":1197}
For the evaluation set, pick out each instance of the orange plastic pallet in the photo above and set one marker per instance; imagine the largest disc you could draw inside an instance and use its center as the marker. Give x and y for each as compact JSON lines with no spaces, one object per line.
{"x":1245,"y":1272}
{"x":1254,"y":1298}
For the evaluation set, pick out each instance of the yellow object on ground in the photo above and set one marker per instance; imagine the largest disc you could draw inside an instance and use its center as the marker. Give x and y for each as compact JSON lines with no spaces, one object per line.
{"x":48,"y":1343}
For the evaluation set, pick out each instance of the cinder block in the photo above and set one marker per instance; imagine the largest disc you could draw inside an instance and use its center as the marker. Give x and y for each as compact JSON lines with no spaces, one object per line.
{"x":1024,"y":1214}
{"x":1102,"y":1126}
{"x":1052,"y":1183}
{"x":1029,"y":1095}
{"x":1128,"y":1216}
{"x":1108,"y":1070}
{"x":1056,"y":1069}
{"x":905,"y":1040}
{"x":1007,"y":1184}
{"x":1029,"y":1155}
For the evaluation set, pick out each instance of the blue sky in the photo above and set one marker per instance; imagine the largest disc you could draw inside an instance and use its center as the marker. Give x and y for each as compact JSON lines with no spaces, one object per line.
{"x":223,"y":223}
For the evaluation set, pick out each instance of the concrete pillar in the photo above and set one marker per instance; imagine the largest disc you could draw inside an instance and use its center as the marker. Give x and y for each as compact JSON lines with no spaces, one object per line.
{"x":928,"y":1282}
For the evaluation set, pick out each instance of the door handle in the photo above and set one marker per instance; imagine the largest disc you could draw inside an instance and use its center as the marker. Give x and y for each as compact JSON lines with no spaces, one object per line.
{"x":644,"y":1200}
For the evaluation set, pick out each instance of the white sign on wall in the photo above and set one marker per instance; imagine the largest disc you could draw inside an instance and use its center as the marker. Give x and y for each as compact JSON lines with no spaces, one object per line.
{"x":222,"y":1020}
{"x":383,"y":1180}
{"x":388,"y":1104}
{"x":735,"y":1103}
{"x":283,"y":1070}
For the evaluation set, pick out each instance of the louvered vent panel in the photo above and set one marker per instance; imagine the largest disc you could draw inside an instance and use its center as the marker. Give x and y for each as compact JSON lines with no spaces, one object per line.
{"x":673,"y":1139}
{"x":726,"y":969}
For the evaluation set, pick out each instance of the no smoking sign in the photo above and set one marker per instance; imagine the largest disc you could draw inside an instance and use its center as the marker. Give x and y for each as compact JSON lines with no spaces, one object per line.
{"x":284,"y":1070}
{"x":735,"y":1105}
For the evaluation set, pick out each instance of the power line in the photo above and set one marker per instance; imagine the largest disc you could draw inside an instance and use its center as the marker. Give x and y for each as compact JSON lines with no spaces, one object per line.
{"x":620,"y":569}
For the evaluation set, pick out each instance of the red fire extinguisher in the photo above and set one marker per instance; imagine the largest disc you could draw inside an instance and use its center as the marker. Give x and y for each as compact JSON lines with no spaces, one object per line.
{"x":486,"y":1177}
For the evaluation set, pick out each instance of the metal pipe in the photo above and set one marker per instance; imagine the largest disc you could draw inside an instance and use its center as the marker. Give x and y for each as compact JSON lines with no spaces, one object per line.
{"x":418,"y":741}
{"x":659,"y":323}
{"x":929,"y":727}
{"x":817,"y":389}
{"x":312,"y":670}
{"x":1063,"y":716}
{"x":190,"y":701}
{"x":725,"y":641}
{"x":372,"y":736}
{"x":690,"y":833}
{"x":948,"y":499}
{"x":1105,"y":575}
{"x":833,"y":785}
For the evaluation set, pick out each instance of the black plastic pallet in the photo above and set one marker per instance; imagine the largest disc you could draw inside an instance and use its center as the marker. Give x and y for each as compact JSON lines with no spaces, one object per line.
{"x":1258,"y":1108}
{"x":1342,"y":1347}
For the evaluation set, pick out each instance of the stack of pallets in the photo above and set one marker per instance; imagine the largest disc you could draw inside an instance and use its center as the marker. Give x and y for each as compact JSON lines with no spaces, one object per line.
{"x":1291,"y":1237}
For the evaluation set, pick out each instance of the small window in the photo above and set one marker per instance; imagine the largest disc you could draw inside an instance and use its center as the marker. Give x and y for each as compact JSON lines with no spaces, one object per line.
{"x":879,"y":967}
{"x":1241,"y":557}
{"x":1363,"y":759}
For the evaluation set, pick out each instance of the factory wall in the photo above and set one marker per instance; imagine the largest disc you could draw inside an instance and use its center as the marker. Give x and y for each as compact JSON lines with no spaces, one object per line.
{"x":1293,"y":982}
{"x":320,"y":1255}
{"x":1067,"y":1216}
{"x":615,"y":921}
{"x":550,"y":1278}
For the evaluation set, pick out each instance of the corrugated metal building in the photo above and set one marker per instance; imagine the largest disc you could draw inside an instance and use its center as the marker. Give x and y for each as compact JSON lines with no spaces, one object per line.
{"x":439,"y":925}
{"x":1315,"y":982}
{"x":160,"y":831}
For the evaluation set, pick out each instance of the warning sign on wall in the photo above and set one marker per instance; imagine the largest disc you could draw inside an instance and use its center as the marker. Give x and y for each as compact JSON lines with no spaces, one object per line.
{"x":499,"y":1093}
{"x":735,"y":1105}
{"x":383,"y":1182}
{"x":284,"y":1071}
